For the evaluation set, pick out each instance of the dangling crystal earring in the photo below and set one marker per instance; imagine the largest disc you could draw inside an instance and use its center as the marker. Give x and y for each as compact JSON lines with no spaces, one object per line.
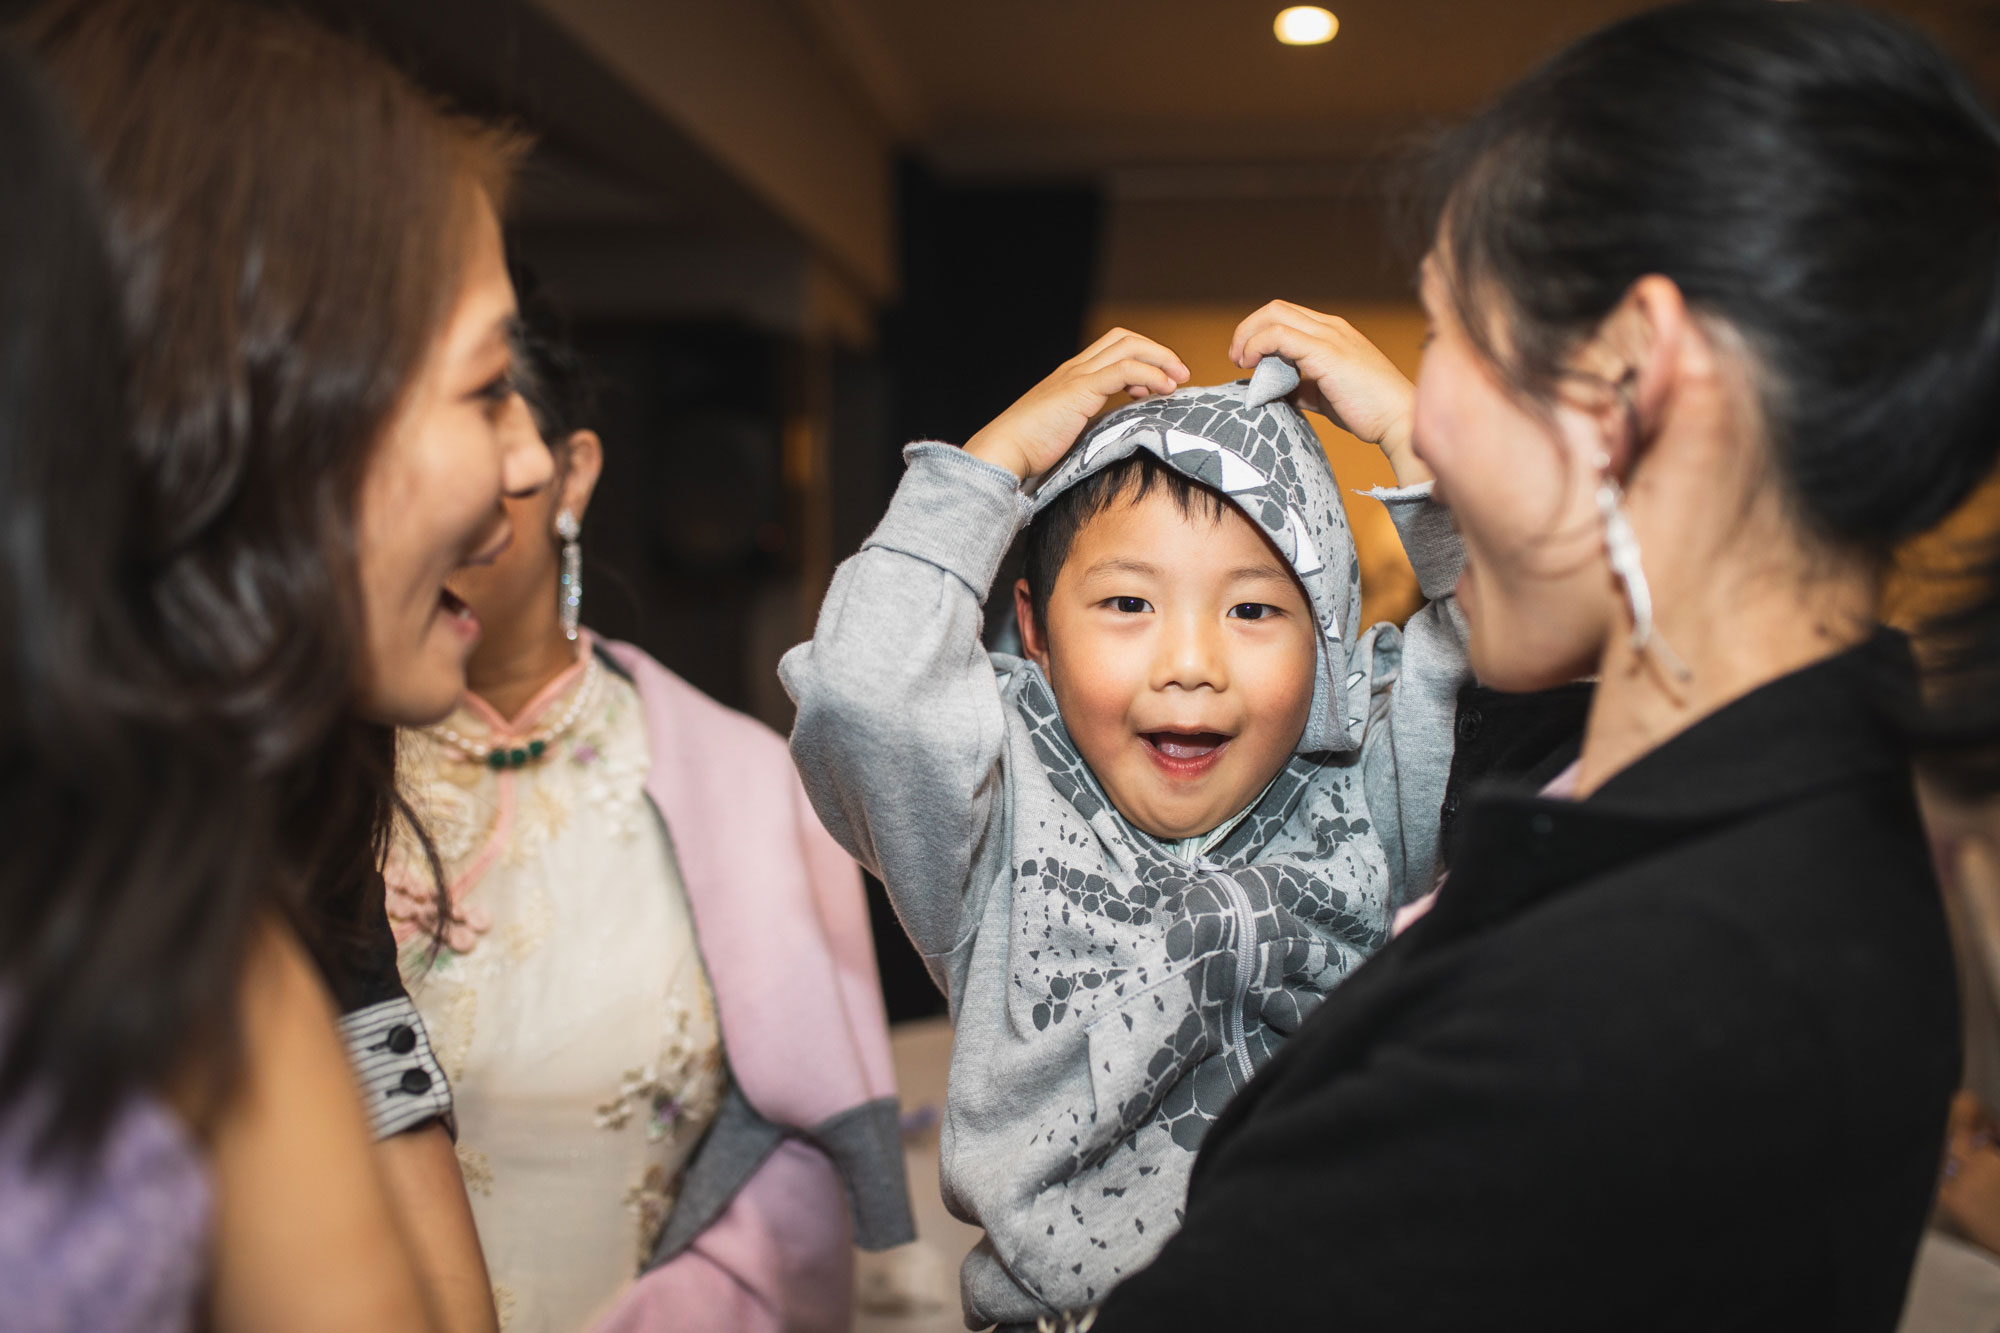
{"x":569,"y":593}
{"x":1621,"y":547}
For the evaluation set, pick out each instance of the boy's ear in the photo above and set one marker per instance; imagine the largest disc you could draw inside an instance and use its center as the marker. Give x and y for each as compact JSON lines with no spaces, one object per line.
{"x":1033,"y":642}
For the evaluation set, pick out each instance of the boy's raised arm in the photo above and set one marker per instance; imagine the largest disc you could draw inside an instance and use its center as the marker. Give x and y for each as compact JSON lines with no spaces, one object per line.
{"x":900,"y":727}
{"x":899,"y":731}
{"x":1414,"y":684}
{"x":1406,"y":755}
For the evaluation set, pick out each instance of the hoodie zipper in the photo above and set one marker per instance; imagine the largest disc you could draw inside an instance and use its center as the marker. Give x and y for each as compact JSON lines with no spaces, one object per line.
{"x":1233,"y":1034}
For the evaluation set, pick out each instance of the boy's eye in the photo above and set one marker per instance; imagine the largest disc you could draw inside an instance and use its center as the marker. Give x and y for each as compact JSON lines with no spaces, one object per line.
{"x":1253,"y":611}
{"x":1131,"y":606}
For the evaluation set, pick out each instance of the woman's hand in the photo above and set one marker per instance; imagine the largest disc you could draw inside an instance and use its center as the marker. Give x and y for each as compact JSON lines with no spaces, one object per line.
{"x":1342,"y":376}
{"x":1031,"y":437}
{"x":1969,"y":1193}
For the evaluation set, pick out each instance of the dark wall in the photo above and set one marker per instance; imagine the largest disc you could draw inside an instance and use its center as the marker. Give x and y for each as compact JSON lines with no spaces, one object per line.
{"x":996,"y":283}
{"x":688,"y":542}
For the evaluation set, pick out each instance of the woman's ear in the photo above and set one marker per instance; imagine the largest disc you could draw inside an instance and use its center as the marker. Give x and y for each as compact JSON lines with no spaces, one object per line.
{"x":583,"y":462}
{"x":1660,"y":315}
{"x":1642,"y":345}
{"x":1033,"y":642}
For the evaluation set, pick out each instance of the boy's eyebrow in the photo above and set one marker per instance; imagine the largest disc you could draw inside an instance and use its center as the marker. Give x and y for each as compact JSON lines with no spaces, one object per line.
{"x":1117,"y":564}
{"x":1260,"y":573}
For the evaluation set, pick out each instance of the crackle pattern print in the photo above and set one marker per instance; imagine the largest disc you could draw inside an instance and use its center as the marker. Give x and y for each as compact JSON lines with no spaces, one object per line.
{"x":1089,"y":940}
{"x":1130,"y":954}
{"x":1133,"y":960}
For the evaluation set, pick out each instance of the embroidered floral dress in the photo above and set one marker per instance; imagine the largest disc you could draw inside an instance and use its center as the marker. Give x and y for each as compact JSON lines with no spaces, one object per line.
{"x":568,"y":1007}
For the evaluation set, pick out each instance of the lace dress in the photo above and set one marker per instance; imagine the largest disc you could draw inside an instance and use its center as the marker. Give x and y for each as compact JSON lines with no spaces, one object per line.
{"x":568,"y":1005}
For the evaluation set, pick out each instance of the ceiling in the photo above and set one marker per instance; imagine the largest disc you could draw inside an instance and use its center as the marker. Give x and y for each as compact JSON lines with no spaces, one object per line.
{"x":693,"y":152}
{"x":1083,"y":85}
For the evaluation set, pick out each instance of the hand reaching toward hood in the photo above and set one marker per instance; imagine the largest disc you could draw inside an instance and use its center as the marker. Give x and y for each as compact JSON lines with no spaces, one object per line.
{"x":1031,"y":437}
{"x":1342,"y":376}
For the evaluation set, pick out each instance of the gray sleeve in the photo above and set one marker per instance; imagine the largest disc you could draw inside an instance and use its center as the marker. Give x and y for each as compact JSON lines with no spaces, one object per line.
{"x":900,"y":726}
{"x":1414,"y":679}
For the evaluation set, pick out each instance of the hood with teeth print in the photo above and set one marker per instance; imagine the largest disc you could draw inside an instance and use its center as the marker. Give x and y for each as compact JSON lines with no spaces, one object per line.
{"x":1246,"y":441}
{"x":1177,"y":969}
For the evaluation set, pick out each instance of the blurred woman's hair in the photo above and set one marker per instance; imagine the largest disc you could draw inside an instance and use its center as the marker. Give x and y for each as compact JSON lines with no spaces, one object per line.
{"x":558,"y":385}
{"x":286,"y":215}
{"x":1822,"y":181}
{"x":114,"y":797}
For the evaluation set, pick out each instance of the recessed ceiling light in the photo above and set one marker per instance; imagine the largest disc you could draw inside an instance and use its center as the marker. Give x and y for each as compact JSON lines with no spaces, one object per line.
{"x":1305,"y":25}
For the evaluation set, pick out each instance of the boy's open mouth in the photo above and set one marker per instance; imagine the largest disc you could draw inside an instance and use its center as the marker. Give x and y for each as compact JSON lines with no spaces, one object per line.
{"x":1185,"y":754}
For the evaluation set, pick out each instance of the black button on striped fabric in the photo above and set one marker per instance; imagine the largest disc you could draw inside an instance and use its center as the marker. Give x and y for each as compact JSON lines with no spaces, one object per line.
{"x":415,"y":1080}
{"x":401,"y":1039}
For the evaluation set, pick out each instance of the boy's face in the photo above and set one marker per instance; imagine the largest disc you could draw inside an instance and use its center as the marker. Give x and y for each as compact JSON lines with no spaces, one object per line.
{"x":1181,"y":651}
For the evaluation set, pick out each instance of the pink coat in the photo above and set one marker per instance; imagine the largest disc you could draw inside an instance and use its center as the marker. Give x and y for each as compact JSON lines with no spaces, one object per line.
{"x":783,"y":928}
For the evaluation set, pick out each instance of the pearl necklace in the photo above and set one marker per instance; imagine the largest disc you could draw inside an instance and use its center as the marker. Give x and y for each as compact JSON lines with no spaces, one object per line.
{"x":522,"y":753}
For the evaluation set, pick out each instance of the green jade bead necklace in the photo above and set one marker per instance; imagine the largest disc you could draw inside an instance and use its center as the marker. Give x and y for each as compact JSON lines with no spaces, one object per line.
{"x":517,"y":758}
{"x":502,"y":758}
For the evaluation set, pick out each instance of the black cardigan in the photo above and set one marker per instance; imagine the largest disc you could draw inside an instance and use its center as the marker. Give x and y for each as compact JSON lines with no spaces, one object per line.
{"x":1674,"y":1057}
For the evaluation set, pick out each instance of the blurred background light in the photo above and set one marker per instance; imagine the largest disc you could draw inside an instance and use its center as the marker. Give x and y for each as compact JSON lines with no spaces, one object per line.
{"x":1305,"y":25}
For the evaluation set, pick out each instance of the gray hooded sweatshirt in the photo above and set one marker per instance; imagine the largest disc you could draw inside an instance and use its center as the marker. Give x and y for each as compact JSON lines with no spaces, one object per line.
{"x":1110,"y":995}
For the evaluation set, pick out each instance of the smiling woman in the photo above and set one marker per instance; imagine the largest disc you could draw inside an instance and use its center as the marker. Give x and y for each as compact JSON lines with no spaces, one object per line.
{"x":427,"y":505}
{"x":320,"y":386}
{"x":1716,"y":304}
{"x":318,"y":317}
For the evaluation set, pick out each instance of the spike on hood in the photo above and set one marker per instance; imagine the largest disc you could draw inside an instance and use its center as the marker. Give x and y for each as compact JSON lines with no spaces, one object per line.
{"x":1246,"y":441}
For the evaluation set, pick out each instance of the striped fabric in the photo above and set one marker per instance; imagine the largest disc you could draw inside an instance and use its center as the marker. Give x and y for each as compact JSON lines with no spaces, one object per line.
{"x":402,"y":1085}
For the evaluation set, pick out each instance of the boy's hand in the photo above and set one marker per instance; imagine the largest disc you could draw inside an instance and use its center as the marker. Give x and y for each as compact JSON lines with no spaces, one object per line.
{"x":1342,"y":376}
{"x":1031,"y":437}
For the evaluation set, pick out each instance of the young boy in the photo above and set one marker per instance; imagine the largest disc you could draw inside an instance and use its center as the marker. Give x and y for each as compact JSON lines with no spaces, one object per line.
{"x":1138,"y":857}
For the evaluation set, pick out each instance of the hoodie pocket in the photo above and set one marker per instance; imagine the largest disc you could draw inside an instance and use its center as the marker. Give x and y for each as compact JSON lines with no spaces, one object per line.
{"x":1139,"y":1051}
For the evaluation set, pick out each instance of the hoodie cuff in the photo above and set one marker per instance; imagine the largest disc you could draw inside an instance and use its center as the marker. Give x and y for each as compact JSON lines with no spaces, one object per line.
{"x":1429,"y":540}
{"x":953,"y":511}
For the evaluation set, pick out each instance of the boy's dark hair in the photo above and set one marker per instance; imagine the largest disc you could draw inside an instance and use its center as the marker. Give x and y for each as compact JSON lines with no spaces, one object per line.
{"x":1045,"y":545}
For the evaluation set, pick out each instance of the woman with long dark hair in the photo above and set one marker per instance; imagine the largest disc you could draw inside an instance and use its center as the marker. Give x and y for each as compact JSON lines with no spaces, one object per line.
{"x":146,"y":1106}
{"x":100,"y":767}
{"x":320,"y":319}
{"x":1715,"y":312}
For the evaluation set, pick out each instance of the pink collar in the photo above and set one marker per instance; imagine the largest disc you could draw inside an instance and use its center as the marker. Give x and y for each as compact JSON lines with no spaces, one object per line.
{"x":412,"y":904}
{"x":505,"y":729}
{"x":1562,"y":787}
